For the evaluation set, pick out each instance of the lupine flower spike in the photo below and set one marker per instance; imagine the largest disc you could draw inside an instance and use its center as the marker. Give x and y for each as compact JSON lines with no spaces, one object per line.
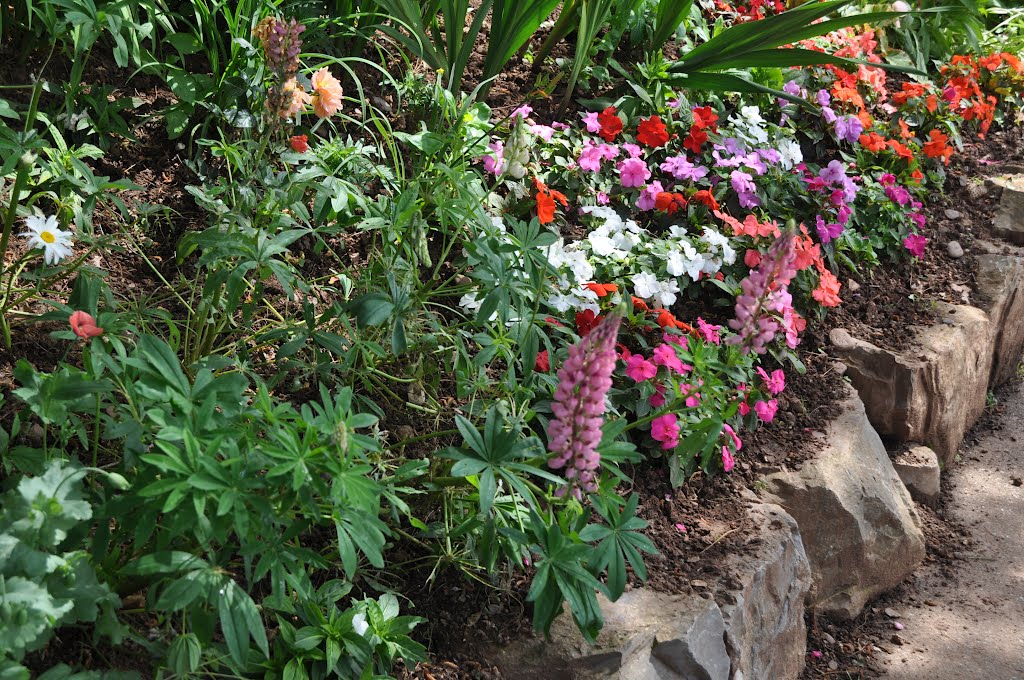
{"x":583,"y":382}
{"x":764,"y":292}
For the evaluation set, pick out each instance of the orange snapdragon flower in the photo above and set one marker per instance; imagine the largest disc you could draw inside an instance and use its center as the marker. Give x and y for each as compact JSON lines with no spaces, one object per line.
{"x":327,"y":94}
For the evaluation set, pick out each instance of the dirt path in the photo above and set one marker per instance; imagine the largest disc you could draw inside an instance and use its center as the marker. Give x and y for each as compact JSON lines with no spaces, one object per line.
{"x":971,"y":627}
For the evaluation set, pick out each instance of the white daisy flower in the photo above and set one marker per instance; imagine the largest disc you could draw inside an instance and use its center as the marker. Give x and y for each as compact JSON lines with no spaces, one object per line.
{"x":44,"y":233}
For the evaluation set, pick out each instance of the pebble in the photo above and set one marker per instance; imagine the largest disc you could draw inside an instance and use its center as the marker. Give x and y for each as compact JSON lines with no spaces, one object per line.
{"x":892,"y":613}
{"x":852,"y":285}
{"x":828,"y":638}
{"x":833,"y":666}
{"x":955,"y":250}
{"x":952,"y":214}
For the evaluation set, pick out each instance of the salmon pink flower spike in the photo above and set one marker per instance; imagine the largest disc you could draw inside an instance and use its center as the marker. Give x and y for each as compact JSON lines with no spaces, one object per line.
{"x":579,"y":403}
{"x":84,"y":325}
{"x":327,"y":94}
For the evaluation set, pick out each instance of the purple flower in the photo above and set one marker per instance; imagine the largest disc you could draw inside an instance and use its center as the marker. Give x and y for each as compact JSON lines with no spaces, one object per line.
{"x":633,"y":172}
{"x":681,"y":168}
{"x":748,"y":199}
{"x":848,"y":129}
{"x":578,"y":405}
{"x":833,"y":173}
{"x":823,"y":98}
{"x":649,"y":195}
{"x":828,"y":114}
{"x":897,"y":194}
{"x":827,"y":232}
{"x":742,"y":182}
{"x":793,"y":88}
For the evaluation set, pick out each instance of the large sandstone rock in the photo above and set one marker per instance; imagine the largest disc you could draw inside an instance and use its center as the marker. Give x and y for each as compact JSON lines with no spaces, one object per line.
{"x":932,"y":392}
{"x":1000,"y":291}
{"x":758,"y":633}
{"x":857,"y":521}
{"x":764,"y":619}
{"x":1009,"y":222}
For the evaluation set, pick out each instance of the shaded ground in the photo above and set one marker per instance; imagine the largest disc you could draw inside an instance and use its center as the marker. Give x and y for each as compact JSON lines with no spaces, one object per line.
{"x":972,"y":626}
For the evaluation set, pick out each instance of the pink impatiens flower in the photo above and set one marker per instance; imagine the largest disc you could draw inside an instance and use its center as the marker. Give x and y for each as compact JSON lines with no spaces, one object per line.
{"x":640,"y":369}
{"x":84,"y":325}
{"x":665,"y":429}
{"x":665,"y":355}
{"x":590,"y":120}
{"x":658,"y":398}
{"x":766,"y":409}
{"x":728,"y":462}
{"x":649,"y":196}
{"x":709,"y":331}
{"x":774,"y":383}
{"x":633,"y":172}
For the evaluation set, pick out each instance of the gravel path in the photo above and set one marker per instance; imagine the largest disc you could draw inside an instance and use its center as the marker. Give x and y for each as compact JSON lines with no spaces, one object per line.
{"x":972,"y":627}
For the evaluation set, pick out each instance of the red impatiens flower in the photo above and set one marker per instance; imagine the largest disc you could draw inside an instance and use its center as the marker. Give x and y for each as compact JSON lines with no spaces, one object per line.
{"x":652,"y":132}
{"x":300,"y":143}
{"x":611,"y":124}
{"x":543,"y":363}
{"x":695,"y":140}
{"x":705,"y":117}
{"x":586,"y":321}
{"x":84,"y":325}
{"x":873,"y":142}
{"x":936,"y":147}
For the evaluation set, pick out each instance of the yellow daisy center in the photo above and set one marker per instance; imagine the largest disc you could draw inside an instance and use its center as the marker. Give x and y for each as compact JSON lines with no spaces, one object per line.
{"x":48,"y":236}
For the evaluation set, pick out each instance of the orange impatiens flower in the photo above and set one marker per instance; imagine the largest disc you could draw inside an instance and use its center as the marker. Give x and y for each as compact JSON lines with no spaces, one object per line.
{"x":546,"y":201}
{"x":901,"y":150}
{"x":603,"y":289}
{"x":327,"y":94}
{"x":937,"y":146}
{"x":706,"y":198}
{"x":873,"y":142}
{"x":827,"y":292}
{"x":905,"y":131}
{"x":669,"y":202}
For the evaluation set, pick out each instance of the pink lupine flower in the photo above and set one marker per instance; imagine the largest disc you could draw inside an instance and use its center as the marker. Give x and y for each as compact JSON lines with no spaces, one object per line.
{"x":579,"y":403}
{"x":665,"y":429}
{"x":774,"y":383}
{"x":640,"y":369}
{"x":764,"y":291}
{"x":766,"y":409}
{"x":633,"y":172}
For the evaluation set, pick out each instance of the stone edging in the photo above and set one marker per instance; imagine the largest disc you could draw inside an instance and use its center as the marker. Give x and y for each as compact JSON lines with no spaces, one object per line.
{"x":841,"y":530}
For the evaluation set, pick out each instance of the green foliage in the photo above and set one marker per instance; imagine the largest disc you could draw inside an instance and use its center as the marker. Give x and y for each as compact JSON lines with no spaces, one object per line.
{"x":46,"y":578}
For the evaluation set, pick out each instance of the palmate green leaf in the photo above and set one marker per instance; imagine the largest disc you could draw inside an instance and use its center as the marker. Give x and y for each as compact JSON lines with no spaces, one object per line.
{"x":620,"y":542}
{"x":239,"y":621}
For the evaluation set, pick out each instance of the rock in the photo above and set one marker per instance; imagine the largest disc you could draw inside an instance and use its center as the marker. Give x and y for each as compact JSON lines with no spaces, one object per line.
{"x":918,"y":468}
{"x":852,"y":285}
{"x":933,"y":391}
{"x":1009,"y":222}
{"x":857,"y":521}
{"x":955,"y":250}
{"x":764,"y":625}
{"x":1000,"y":291}
{"x":646,"y":636}
{"x":952,"y":214}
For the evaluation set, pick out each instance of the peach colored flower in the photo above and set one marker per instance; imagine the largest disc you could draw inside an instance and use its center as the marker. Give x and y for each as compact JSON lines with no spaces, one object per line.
{"x":84,"y":325}
{"x":327,"y":94}
{"x":295,"y":97}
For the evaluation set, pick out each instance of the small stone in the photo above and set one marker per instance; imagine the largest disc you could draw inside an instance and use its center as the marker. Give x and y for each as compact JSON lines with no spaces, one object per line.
{"x":697,"y":583}
{"x":931,"y":603}
{"x":852,"y":286}
{"x":896,"y":639}
{"x":892,"y":613}
{"x":828,"y":638}
{"x":952,"y":214}
{"x":955,"y":250}
{"x":833,"y":665}
{"x":1017,"y":481}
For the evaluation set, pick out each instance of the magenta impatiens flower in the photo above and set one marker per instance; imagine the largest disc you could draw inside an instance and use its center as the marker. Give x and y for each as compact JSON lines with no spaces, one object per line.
{"x":709,"y":331}
{"x":578,"y":405}
{"x":665,"y":429}
{"x":915,"y":243}
{"x":633,"y":172}
{"x":665,"y":355}
{"x":728,"y":462}
{"x":640,"y":369}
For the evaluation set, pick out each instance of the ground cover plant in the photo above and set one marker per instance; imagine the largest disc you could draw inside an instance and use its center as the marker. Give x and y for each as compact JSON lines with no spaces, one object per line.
{"x":419,"y":322}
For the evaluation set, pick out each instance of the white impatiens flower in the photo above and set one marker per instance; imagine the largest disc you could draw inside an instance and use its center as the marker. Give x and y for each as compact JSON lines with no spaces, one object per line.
{"x":790,"y":154}
{"x":359,"y":624}
{"x":44,"y":233}
{"x":667,"y":292}
{"x":645,"y":285}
